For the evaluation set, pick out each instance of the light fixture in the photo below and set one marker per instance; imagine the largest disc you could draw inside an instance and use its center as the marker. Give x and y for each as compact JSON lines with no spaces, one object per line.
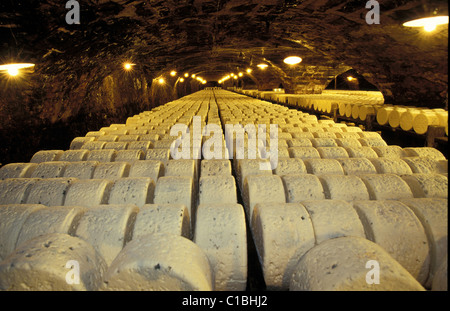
{"x":161,"y":81}
{"x":240,"y":74}
{"x":193,"y":76}
{"x":262,"y":66}
{"x":350,"y":78}
{"x":181,"y":79}
{"x":14,"y":69}
{"x":128,"y":66}
{"x":428,"y":23}
{"x":235,"y":77}
{"x":203,"y":82}
{"x":173,"y":73}
{"x":249,"y":70}
{"x":186,"y":75}
{"x":292,"y":60}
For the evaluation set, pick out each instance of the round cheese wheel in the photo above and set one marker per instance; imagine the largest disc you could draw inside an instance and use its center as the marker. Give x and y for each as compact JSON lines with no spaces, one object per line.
{"x":356,"y":166}
{"x":347,"y":142}
{"x":290,"y":166}
{"x":248,"y":167}
{"x":53,"y":262}
{"x":74,"y":155}
{"x":391,"y":166}
{"x":332,"y":152}
{"x":146,"y":168}
{"x":215,"y":167}
{"x":217,"y":190}
{"x":129,"y":155}
{"x":80,"y":170}
{"x":88,"y":192}
{"x":390,"y":151}
{"x":304,"y":152}
{"x":78,"y":142}
{"x":162,"y":155}
{"x":105,"y":155}
{"x":323,"y":142}
{"x":107,"y":228}
{"x":132,"y":190}
{"x":302,"y":187}
{"x":282,"y":234}
{"x":46,"y":156}
{"x":361,"y":152}
{"x":15,"y":190}
{"x":425,"y":165}
{"x":17,"y":170}
{"x":116,"y":145}
{"x":129,"y":137}
{"x":107,"y":138}
{"x":440,"y":281}
{"x":423,"y":120}
{"x":160,"y":261}
{"x":343,"y":187}
{"x":393,"y":226}
{"x":53,"y":169}
{"x":323,"y":166}
{"x":221,"y":233}
{"x":383,"y":114}
{"x":343,"y":264}
{"x":261,"y":189}
{"x":395,"y":115}
{"x":424,"y":152}
{"x":386,"y":187}
{"x":141,"y":145}
{"x":427,"y":185}
{"x":407,"y":118}
{"x":111,"y":170}
{"x":49,"y":192}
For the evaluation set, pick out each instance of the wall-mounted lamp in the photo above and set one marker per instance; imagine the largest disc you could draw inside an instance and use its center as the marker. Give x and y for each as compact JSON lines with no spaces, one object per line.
{"x":292,"y":60}
{"x":262,"y":66}
{"x":14,"y":69}
{"x":428,"y":23}
{"x":128,"y":66}
{"x":173,"y":73}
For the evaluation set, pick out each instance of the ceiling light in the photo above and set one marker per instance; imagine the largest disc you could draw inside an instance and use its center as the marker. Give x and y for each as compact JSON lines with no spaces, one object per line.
{"x":14,"y":69}
{"x":193,"y":76}
{"x":128,"y":66}
{"x":262,"y":66}
{"x":186,"y":75}
{"x":173,"y":73}
{"x":181,"y":79}
{"x":203,"y":82}
{"x":161,"y":81}
{"x":240,"y":74}
{"x":428,"y":23}
{"x":249,"y":70}
{"x":292,"y":60}
{"x":350,"y":78}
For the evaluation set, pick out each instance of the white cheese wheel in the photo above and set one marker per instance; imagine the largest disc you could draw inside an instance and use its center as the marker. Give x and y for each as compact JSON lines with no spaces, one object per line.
{"x":433,"y":214}
{"x":391,"y":166}
{"x":323,"y":142}
{"x":162,"y":218}
{"x":343,"y":187}
{"x":162,"y":155}
{"x":46,"y":262}
{"x":395,"y":115}
{"x":372,"y":142}
{"x":427,"y":185}
{"x":105,"y":155}
{"x":80,"y":170}
{"x":348,"y":135}
{"x":324,"y":134}
{"x":160,"y":262}
{"x":386,"y":187}
{"x":300,"y":135}
{"x":15,"y":190}
{"x":78,"y":142}
{"x":92,"y":145}
{"x":390,"y":151}
{"x":116,"y":145}
{"x":440,"y":281}
{"x":356,"y":166}
{"x":423,"y":120}
{"x":290,"y":166}
{"x":333,"y":218}
{"x":332,"y":152}
{"x":146,"y":168}
{"x":368,"y":134}
{"x":347,"y":142}
{"x":361,"y":152}
{"x":132,"y":190}
{"x":50,"y":191}
{"x":74,"y":155}
{"x":111,"y":170}
{"x":182,"y":167}
{"x":107,"y":138}
{"x":425,"y":165}
{"x":46,"y":156}
{"x":129,"y":137}
{"x":149,"y":137}
{"x":217,"y":190}
{"x":13,"y":217}
{"x":407,"y":118}
{"x":424,"y":152}
{"x":88,"y":192}
{"x":248,"y":167}
{"x":49,"y":169}
{"x":383,"y":114}
{"x":299,"y":142}
{"x":262,"y":189}
{"x":323,"y":166}
{"x":342,"y":264}
{"x":282,"y":234}
{"x":221,"y":233}
{"x":351,"y":129}
{"x":303,"y":152}
{"x":215,"y":167}
{"x":107,"y":228}
{"x":55,"y":219}
{"x":129,"y":155}
{"x":393,"y":225}
{"x":17,"y":170}
{"x":141,"y":145}
{"x":302,"y":187}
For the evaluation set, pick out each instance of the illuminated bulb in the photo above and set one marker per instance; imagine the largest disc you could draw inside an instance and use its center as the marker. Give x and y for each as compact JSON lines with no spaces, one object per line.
{"x":173,"y":73}
{"x":186,"y":75}
{"x":249,"y":70}
{"x":13,"y":72}
{"x":161,"y":81}
{"x":350,"y":78}
{"x":203,"y":82}
{"x":428,"y":23}
{"x":292,"y":60}
{"x":128,"y":66}
{"x":235,"y":77}
{"x":181,"y":80}
{"x":262,"y":66}
{"x":13,"y":69}
{"x":193,"y":76}
{"x":240,"y":74}
{"x":429,"y":27}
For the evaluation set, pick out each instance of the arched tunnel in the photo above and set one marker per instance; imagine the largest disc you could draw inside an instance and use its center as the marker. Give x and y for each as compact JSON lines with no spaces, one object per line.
{"x":101,"y":70}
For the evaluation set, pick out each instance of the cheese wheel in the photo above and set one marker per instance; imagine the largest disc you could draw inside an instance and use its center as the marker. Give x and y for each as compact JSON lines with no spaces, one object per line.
{"x":326,"y":134}
{"x":221,"y":233}
{"x":78,"y":142}
{"x":394,"y":226}
{"x":302,"y":135}
{"x":105,"y":155}
{"x":17,"y":170}
{"x":351,"y":129}
{"x":146,"y":168}
{"x":332,"y":152}
{"x":282,"y":234}
{"x":80,"y":170}
{"x":407,"y":118}
{"x":323,"y":142}
{"x":128,"y":137}
{"x":111,"y":170}
{"x":425,"y":165}
{"x":149,"y":137}
{"x":303,"y":152}
{"x":15,"y":190}
{"x":74,"y":155}
{"x":92,"y":145}
{"x":51,"y":262}
{"x":46,"y":156}
{"x":391,"y":166}
{"x":88,"y":192}
{"x":341,"y":264}
{"x":372,"y":142}
{"x":107,"y":138}
{"x":427,"y":185}
{"x":302,"y":187}
{"x":13,"y":217}
{"x":116,"y":145}
{"x":290,"y":166}
{"x":182,"y":167}
{"x":323,"y":166}
{"x":299,"y":142}
{"x":356,"y":166}
{"x":247,"y":167}
{"x":129,"y":155}
{"x":262,"y":189}
{"x":132,"y":190}
{"x":332,"y":219}
{"x":140,"y":145}
{"x":347,"y":142}
{"x":433,"y":214}
{"x":162,"y":218}
{"x":365,"y":110}
{"x":49,"y":192}
{"x":395,"y":115}
{"x":424,"y":152}
{"x":361,"y":152}
{"x":383,"y":114}
{"x":46,"y":220}
{"x":217,"y":190}
{"x":343,"y":187}
{"x":368,"y":134}
{"x":423,"y":120}
{"x":107,"y":228}
{"x":53,"y":169}
{"x":386,"y":187}
{"x":160,"y":262}
{"x":162,"y":155}
{"x":348,"y":135}
{"x":215,"y":167}
{"x":440,"y":281}
{"x":390,"y":151}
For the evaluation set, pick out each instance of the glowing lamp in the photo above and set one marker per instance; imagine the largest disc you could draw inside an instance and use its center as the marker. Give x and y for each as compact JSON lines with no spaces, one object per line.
{"x":14,"y":69}
{"x":428,"y":23}
{"x":262,"y":66}
{"x":173,"y":73}
{"x":292,"y":60}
